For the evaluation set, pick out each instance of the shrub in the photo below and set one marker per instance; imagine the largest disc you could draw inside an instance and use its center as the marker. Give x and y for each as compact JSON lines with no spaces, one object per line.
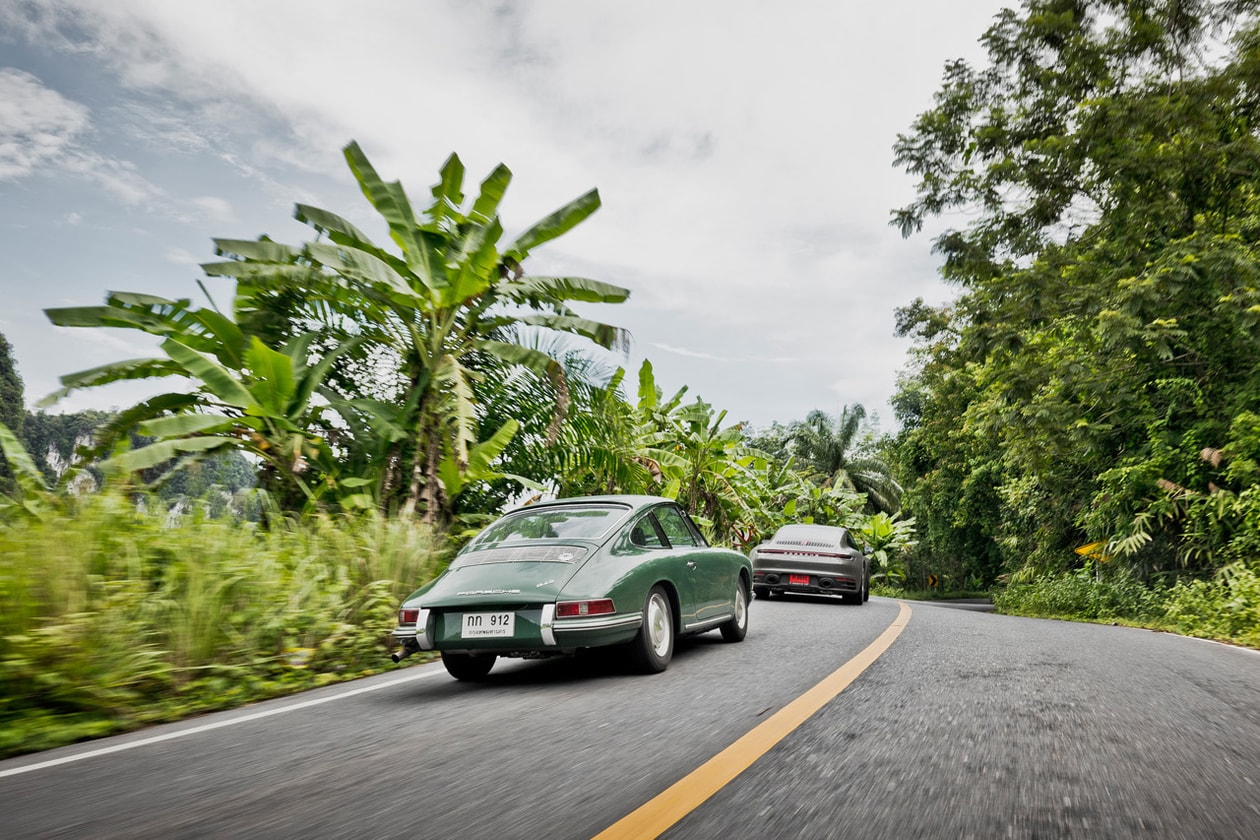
{"x":1082,"y":595}
{"x":1224,"y":607}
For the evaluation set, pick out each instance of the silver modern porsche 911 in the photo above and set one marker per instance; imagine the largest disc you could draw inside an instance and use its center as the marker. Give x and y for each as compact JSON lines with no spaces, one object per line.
{"x":812,"y":559}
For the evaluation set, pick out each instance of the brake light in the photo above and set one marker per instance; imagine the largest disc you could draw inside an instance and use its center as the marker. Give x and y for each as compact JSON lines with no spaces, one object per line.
{"x":408,"y":616}
{"x":573,"y":609}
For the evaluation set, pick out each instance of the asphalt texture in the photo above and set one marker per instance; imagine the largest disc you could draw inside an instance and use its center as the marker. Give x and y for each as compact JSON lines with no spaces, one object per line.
{"x":972,"y":725}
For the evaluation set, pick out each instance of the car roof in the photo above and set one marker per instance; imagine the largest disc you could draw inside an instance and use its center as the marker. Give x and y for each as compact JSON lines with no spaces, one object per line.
{"x":631,"y":501}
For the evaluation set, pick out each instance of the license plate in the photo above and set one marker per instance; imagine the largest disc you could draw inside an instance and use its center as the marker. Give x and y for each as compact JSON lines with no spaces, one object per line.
{"x":487,"y":625}
{"x":798,"y":580}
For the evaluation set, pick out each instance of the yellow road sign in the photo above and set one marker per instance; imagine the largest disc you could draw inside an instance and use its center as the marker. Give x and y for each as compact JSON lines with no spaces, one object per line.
{"x":1094,"y":551}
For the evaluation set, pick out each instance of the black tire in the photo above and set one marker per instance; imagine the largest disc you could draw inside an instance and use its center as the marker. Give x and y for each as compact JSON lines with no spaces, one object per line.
{"x":866,"y":589}
{"x":737,"y":628}
{"x":469,"y":667}
{"x":653,"y":648}
{"x":854,"y":598}
{"x":762,"y":592}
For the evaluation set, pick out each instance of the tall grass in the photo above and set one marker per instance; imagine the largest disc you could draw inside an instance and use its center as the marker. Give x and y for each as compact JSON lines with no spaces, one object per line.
{"x":1084,"y":595}
{"x":1224,"y":607}
{"x":113,"y":615}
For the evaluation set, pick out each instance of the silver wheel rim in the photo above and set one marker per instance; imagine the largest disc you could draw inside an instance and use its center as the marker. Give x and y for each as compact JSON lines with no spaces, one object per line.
{"x":741,"y":606}
{"x":658,"y":624}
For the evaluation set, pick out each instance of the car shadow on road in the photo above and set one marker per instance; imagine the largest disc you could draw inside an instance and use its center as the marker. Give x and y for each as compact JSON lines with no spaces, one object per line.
{"x":594,"y":664}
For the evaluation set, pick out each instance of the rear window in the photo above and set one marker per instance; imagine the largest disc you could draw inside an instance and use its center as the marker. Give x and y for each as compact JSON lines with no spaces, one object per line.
{"x":579,"y":522}
{"x":810,"y":536}
{"x":520,"y":553}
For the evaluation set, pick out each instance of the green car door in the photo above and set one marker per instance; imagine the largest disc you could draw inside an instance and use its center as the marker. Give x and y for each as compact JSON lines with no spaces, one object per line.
{"x":647,"y":535}
{"x":710,"y":573}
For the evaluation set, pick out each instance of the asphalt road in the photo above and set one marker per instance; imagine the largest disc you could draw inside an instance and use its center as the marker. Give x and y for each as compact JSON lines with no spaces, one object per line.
{"x":969,"y":725}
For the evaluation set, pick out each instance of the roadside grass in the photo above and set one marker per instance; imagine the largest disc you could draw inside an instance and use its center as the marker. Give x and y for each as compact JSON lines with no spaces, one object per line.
{"x":1223,"y":608}
{"x":117,"y":617}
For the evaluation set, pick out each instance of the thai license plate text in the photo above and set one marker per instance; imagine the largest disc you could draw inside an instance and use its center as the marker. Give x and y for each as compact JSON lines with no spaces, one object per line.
{"x":487,"y":625}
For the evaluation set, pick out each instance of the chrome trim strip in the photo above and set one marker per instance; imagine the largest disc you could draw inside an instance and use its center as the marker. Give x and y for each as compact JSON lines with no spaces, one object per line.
{"x":545,"y":624}
{"x":611,"y":622}
{"x":708,"y":622}
{"x":425,"y":639}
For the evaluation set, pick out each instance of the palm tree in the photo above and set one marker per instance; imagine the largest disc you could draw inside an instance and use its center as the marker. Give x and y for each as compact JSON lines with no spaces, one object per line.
{"x":823,"y":443}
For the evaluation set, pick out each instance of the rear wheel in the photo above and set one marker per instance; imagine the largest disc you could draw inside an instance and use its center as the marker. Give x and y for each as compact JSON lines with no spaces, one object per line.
{"x":653,"y":648}
{"x":737,"y":628}
{"x":469,"y":667}
{"x":762,"y":592}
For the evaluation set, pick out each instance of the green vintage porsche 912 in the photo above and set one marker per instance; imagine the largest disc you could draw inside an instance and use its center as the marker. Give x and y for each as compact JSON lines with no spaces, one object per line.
{"x":557,"y":577}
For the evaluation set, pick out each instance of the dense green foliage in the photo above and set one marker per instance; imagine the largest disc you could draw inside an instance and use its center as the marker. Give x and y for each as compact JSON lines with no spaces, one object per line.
{"x":118,"y":615}
{"x":58,"y":442}
{"x":53,"y":440}
{"x":1094,"y":385}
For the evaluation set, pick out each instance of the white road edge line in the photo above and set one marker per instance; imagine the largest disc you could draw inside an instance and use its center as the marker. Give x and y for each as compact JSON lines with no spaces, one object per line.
{"x":170,"y":736}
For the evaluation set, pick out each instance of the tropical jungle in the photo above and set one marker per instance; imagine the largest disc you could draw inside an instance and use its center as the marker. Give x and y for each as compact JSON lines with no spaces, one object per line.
{"x":1077,"y":431}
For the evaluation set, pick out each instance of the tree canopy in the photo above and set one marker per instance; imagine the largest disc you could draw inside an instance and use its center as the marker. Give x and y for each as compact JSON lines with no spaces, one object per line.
{"x":1104,"y":337}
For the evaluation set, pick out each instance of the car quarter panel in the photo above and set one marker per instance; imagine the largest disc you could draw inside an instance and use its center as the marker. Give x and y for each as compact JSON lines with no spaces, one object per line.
{"x":625,"y":572}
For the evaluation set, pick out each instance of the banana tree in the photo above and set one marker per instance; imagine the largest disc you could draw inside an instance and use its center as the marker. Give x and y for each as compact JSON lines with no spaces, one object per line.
{"x":264,"y":409}
{"x":770,"y":488}
{"x":615,"y":446}
{"x":244,"y":395}
{"x":887,"y":539}
{"x":31,"y":495}
{"x":442,"y":307}
{"x":711,"y":482}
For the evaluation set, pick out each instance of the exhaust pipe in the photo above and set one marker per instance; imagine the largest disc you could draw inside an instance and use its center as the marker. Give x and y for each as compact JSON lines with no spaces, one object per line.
{"x":408,"y":647}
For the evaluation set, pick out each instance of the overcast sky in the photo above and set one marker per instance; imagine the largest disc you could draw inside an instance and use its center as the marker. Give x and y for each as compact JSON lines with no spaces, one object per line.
{"x":742,"y":151}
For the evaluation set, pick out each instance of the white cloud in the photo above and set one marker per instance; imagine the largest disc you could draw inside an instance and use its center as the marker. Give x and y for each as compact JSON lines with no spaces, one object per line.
{"x":42,"y":132}
{"x":742,"y":150}
{"x":38,"y":126}
{"x":682,"y":351}
{"x":212,"y":208}
{"x":179,"y":256}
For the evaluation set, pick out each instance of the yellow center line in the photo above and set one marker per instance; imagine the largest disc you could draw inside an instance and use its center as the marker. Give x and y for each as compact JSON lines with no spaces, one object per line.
{"x":684,"y":796}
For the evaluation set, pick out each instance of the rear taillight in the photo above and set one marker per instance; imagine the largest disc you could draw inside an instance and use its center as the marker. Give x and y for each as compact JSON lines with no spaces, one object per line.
{"x":408,"y":616}
{"x":573,"y":609}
